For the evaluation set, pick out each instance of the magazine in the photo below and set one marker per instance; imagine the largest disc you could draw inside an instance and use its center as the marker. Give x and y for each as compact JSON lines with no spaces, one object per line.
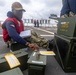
{"x":47,"y":53}
{"x":25,"y":34}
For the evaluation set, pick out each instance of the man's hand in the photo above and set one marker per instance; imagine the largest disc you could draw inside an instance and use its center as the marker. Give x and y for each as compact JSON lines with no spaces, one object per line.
{"x":34,"y":46}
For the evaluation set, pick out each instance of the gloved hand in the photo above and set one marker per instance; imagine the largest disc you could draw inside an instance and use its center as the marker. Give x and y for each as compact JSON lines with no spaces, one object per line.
{"x":68,"y":15}
{"x":71,"y":14}
{"x":64,"y":16}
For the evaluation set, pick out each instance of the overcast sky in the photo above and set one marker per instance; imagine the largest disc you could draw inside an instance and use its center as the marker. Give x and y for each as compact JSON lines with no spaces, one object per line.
{"x":39,"y":9}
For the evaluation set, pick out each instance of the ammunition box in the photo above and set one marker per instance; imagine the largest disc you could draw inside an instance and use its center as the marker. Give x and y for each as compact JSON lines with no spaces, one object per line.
{"x":22,"y":57}
{"x":15,"y":71}
{"x":67,"y":26}
{"x":17,"y":46}
{"x":36,"y":64}
{"x":66,"y":52}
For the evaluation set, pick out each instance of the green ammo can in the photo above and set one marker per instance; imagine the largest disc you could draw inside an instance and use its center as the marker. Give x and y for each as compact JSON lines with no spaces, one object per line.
{"x":22,"y":57}
{"x":36,"y":64}
{"x":15,"y":71}
{"x":17,"y":46}
{"x":67,"y":26}
{"x":65,"y":43}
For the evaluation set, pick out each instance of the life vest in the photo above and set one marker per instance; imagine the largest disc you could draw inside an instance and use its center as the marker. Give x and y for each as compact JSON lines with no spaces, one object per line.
{"x":18,"y":25}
